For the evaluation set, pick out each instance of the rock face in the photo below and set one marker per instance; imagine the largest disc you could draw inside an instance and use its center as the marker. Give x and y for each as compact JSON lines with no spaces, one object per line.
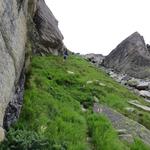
{"x":131,"y":57}
{"x":145,"y":93}
{"x":24,"y":26}
{"x":49,"y":36}
{"x":13,"y":35}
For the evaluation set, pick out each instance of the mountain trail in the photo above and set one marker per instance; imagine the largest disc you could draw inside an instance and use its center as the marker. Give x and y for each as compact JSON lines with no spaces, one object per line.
{"x":121,"y":123}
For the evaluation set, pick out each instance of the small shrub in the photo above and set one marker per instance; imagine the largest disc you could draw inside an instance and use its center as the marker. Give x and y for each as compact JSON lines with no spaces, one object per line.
{"x":24,"y":140}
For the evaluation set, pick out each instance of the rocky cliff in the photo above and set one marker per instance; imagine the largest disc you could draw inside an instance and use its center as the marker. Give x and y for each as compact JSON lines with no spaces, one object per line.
{"x":131,"y":57}
{"x":26,"y":27}
{"x":47,"y":36}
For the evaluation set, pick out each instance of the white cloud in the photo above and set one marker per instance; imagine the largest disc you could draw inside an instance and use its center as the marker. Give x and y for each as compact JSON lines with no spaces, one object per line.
{"x":97,"y":26}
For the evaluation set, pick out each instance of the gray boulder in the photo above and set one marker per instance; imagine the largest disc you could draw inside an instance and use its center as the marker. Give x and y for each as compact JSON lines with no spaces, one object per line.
{"x":145,"y":94}
{"x":143,"y":86}
{"x":139,"y":84}
{"x":96,"y":59}
{"x":131,"y":57}
{"x":138,"y":105}
{"x":133,"y":82}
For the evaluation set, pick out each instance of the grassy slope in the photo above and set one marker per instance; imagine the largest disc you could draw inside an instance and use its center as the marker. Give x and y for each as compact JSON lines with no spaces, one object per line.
{"x":52,"y":118}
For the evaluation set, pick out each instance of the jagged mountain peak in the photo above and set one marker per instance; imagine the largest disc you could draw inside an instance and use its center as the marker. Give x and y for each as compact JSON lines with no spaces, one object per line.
{"x":131,"y":56}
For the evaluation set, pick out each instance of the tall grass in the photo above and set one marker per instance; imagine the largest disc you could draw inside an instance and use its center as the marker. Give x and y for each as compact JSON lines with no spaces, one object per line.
{"x":52,"y":118}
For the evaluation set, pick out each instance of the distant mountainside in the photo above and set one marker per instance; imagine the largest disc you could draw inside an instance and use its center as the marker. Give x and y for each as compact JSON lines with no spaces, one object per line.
{"x":132,"y":56}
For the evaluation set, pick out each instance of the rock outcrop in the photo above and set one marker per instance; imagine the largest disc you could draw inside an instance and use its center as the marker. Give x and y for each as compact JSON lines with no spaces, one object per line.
{"x":49,"y":36}
{"x":25,"y":27}
{"x":131,"y":57}
{"x":96,"y":59}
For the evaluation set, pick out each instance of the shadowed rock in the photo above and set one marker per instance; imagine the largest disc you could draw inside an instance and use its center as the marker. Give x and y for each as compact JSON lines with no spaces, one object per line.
{"x":50,"y":38}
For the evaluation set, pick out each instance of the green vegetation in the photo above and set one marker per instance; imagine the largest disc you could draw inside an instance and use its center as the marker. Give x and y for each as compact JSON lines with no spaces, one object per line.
{"x":138,"y":145}
{"x":103,"y":135}
{"x":52,"y":118}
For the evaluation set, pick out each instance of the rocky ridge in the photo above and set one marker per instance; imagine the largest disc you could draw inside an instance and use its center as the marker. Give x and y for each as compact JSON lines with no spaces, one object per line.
{"x":132,"y":57}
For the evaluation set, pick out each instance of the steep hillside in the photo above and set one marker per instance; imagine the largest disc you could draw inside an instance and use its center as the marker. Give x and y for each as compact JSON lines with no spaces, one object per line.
{"x":131,"y":57}
{"x":58,"y":111}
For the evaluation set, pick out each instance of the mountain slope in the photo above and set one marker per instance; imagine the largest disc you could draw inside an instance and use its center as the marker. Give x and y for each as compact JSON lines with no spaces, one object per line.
{"x":58,"y":108}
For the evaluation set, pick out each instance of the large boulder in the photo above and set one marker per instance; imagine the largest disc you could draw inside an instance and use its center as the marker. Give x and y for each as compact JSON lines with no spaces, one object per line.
{"x":143,"y":86}
{"x":25,"y":26}
{"x":131,"y":57}
{"x":145,"y":94}
{"x":94,"y":58}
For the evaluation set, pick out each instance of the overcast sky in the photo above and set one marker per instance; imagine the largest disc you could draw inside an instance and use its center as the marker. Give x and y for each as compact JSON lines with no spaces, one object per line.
{"x":98,"y":26}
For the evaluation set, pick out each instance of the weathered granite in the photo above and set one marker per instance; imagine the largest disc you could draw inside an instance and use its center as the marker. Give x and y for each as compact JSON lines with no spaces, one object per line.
{"x":50,"y":38}
{"x":145,"y":94}
{"x":138,"y":105}
{"x":131,"y":57}
{"x":13,"y":35}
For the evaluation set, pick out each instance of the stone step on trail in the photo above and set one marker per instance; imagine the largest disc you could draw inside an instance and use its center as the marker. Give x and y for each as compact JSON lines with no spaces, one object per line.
{"x":127,"y":137}
{"x":146,"y":100}
{"x":119,"y":122}
{"x":138,"y":105}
